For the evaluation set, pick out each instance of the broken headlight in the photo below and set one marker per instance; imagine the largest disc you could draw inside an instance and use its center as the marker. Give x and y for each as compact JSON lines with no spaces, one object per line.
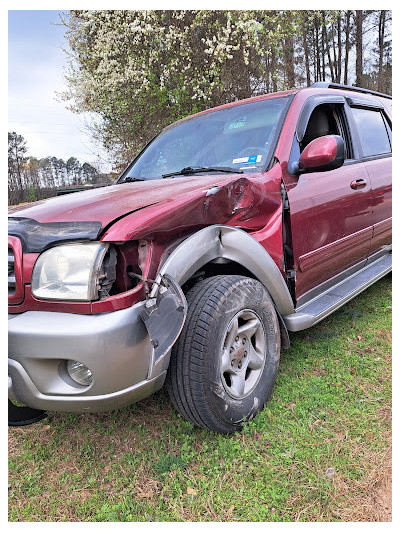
{"x":69,"y":272}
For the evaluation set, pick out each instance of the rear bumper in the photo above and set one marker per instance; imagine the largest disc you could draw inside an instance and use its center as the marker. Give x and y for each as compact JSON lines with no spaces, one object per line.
{"x":114,"y":346}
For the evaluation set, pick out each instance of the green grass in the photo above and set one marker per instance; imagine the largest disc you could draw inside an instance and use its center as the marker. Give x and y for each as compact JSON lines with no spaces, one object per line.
{"x":319,"y":451}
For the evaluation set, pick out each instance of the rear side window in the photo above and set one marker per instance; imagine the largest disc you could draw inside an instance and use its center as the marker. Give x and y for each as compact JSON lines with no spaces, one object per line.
{"x":372,"y":131}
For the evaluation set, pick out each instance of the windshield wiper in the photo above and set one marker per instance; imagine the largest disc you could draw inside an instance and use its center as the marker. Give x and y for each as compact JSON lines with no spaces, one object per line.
{"x":130,"y":179}
{"x":194,"y":170}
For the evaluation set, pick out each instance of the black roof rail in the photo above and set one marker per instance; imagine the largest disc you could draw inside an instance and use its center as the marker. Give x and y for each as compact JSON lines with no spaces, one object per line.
{"x":329,"y":85}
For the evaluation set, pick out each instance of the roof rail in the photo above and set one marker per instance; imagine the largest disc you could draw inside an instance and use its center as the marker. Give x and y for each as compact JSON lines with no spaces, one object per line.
{"x":329,"y":85}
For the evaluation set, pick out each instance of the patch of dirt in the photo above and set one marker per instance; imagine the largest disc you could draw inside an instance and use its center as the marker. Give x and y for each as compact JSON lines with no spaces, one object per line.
{"x":383,"y":502}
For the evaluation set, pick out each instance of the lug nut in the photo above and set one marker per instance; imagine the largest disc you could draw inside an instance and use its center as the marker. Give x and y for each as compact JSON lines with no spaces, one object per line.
{"x":244,"y":341}
{"x":245,"y":354}
{"x":237,"y":338}
{"x":232,"y":363}
{"x":231,"y":350}
{"x":240,"y":364}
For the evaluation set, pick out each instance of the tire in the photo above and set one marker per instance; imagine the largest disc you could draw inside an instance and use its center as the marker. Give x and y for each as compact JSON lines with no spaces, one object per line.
{"x":224,"y":365}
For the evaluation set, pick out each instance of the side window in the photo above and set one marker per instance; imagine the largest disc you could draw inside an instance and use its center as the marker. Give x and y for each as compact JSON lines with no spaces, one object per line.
{"x":372,"y":131}
{"x":327,"y":119}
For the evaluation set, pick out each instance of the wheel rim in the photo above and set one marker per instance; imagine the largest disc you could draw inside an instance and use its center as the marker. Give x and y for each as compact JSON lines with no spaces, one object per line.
{"x":243,"y":354}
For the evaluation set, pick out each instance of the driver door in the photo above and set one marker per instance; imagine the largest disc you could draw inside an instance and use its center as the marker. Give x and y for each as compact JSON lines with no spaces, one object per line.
{"x":330,"y":214}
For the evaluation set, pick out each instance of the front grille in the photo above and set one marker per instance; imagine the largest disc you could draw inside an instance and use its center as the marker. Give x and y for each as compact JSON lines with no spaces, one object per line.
{"x":15,"y":274}
{"x":11,"y":272}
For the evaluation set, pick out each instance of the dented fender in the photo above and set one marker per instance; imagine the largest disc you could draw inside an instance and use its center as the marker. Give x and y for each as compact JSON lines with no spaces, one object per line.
{"x":232,"y":244}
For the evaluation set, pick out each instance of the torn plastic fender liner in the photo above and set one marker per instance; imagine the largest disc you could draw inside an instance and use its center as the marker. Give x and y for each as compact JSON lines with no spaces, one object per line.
{"x":164,"y":315}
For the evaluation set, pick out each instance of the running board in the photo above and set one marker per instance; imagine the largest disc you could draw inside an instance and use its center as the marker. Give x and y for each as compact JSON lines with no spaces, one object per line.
{"x":326,"y":303}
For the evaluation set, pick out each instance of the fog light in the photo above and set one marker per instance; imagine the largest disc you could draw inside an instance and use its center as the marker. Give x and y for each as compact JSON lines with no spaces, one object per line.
{"x":79,"y":372}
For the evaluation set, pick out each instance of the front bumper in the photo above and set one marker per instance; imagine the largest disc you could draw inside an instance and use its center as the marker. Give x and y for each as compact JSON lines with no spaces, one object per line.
{"x":115,"y":346}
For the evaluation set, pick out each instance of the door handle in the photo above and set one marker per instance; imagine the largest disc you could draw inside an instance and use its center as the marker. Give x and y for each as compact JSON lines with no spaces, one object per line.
{"x":358,"y":184}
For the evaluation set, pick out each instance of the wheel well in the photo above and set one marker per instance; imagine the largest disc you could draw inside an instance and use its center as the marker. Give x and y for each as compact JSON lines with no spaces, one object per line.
{"x":217,"y":268}
{"x":226,"y":268}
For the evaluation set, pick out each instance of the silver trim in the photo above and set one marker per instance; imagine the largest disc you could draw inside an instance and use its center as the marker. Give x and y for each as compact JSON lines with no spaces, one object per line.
{"x":115,"y":346}
{"x":233,"y":244}
{"x":32,"y":397}
{"x":304,"y":318}
{"x":11,"y":272}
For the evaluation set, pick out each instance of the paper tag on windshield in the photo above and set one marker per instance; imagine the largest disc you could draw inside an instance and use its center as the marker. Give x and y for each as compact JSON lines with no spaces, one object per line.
{"x":248,"y":159}
{"x":239,"y":123}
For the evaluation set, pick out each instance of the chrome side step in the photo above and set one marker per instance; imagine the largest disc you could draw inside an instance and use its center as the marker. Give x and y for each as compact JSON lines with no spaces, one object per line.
{"x":329,"y":301}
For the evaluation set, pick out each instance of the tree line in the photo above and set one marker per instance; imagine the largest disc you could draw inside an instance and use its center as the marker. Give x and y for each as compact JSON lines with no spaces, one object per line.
{"x":31,"y":179}
{"x":140,"y":70}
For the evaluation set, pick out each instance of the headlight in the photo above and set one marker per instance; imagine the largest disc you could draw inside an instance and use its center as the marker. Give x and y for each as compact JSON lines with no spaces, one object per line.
{"x":69,"y":272}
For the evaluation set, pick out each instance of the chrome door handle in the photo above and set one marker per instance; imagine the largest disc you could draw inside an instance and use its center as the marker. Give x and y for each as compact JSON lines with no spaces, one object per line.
{"x":358,"y":184}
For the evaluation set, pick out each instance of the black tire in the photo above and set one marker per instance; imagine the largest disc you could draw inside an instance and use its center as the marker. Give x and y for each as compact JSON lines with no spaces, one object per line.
{"x":208,"y":381}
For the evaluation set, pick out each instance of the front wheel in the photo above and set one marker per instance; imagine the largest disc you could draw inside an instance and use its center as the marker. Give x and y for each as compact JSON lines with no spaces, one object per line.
{"x":224,"y":365}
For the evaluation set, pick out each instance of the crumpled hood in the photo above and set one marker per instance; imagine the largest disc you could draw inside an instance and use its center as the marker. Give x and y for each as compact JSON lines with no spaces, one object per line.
{"x":107,"y":204}
{"x":156,"y":210}
{"x":160,"y":211}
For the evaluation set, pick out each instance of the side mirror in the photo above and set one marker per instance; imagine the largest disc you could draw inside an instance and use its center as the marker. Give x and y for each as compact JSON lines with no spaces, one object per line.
{"x":324,"y":153}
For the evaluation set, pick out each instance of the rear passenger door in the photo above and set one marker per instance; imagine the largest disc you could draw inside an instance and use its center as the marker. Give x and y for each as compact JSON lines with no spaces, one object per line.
{"x":373,"y":128}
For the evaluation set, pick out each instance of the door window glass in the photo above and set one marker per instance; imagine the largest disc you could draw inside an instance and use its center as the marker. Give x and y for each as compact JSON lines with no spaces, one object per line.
{"x":372,"y":131}
{"x":327,"y":119}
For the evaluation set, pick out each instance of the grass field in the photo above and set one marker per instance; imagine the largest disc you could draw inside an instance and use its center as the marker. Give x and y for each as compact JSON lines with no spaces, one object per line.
{"x":319,"y":451}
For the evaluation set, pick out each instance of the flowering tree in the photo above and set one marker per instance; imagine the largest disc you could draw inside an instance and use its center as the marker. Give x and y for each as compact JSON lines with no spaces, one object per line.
{"x":141,"y":70}
{"x":138,"y":71}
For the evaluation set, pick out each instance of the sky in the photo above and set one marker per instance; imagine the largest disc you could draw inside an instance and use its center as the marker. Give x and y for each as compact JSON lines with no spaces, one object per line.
{"x":36,"y":64}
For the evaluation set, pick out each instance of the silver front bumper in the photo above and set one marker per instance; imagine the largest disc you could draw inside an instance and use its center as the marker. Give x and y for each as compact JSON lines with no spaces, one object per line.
{"x":115,"y":346}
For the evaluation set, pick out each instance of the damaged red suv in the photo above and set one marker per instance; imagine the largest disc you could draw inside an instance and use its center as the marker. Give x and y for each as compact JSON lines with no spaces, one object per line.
{"x":231,"y":228}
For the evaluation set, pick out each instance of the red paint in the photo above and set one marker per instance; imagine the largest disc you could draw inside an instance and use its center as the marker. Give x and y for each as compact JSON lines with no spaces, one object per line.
{"x":380,"y":173}
{"x":319,"y":152}
{"x":29,"y":263}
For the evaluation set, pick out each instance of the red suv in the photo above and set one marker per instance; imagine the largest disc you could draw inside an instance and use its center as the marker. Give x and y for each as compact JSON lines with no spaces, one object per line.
{"x":232,"y":227}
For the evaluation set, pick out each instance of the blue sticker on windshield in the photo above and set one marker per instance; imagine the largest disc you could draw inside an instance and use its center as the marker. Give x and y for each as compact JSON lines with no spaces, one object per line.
{"x":248,"y":159}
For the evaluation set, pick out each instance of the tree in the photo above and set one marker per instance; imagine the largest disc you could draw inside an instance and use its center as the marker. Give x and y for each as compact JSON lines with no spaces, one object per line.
{"x":384,"y":52}
{"x":16,"y":160}
{"x":31,"y":194}
{"x":138,"y":71}
{"x":347,"y":46}
{"x":73,"y":168}
{"x":359,"y":48}
{"x":59,"y":171}
{"x":33,"y":176}
{"x":89,"y":173}
{"x":141,"y":70}
{"x":305,"y":31}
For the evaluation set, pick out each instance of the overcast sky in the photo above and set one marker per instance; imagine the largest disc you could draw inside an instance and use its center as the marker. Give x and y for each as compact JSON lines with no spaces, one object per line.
{"x":36,"y":64}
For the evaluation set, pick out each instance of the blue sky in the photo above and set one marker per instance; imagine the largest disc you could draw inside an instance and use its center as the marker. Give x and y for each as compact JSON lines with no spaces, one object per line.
{"x":36,"y":65}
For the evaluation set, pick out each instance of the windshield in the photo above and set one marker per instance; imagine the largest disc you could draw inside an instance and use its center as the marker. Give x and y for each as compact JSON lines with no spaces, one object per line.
{"x":237,"y":138}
